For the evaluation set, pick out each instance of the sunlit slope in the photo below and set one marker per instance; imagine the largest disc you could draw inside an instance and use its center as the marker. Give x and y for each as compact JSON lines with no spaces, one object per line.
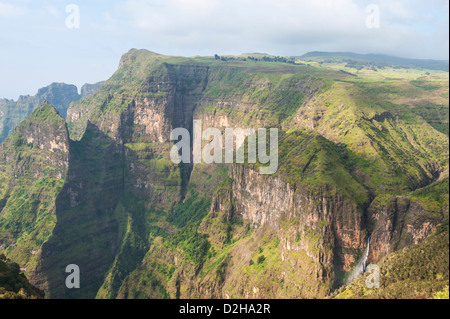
{"x":356,"y":158}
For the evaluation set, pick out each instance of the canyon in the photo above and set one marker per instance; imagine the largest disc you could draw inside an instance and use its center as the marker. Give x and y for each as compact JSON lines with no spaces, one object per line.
{"x":99,"y":189}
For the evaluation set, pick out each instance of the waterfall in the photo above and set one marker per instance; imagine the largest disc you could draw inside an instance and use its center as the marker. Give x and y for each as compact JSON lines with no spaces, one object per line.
{"x":362,"y":265}
{"x":365,"y":257}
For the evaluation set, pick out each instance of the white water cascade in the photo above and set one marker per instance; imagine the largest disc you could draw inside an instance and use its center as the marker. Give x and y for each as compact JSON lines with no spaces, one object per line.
{"x":362,"y":265}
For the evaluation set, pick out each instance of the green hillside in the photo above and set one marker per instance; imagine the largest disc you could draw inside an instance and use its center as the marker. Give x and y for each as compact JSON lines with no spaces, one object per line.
{"x":362,"y":152}
{"x":13,"y":284}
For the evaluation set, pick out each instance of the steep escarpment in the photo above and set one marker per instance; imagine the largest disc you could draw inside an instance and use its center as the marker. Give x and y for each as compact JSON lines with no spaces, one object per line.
{"x":86,"y":232}
{"x":350,"y":166}
{"x":398,"y":221}
{"x":172,"y":95}
{"x":317,"y":236}
{"x":313,"y":221}
{"x":60,"y":95}
{"x":34,"y":163}
{"x":415,"y":272}
{"x":260,"y":237}
{"x":392,"y":153}
{"x":313,"y":215}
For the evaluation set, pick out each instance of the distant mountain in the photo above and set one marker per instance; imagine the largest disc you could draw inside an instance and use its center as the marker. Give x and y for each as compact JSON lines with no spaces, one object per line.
{"x":89,"y":89}
{"x":377,"y":60}
{"x":58,"y":94}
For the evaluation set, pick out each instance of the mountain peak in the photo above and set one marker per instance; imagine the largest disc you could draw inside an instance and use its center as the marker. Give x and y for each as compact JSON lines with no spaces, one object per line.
{"x":141,"y":51}
{"x":136,"y":55}
{"x":46,"y":112}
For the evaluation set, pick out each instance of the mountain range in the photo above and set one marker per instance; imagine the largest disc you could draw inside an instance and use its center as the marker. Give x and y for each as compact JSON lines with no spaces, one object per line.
{"x":379,"y":60}
{"x":363,"y":160}
{"x":60,"y":95}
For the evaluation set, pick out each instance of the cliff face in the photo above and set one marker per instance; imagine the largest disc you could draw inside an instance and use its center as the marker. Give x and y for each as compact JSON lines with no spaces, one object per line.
{"x":12,"y":113}
{"x":330,"y":221}
{"x":317,"y":236}
{"x":34,"y":162}
{"x":414,"y":272}
{"x":141,"y":226}
{"x":308,"y":225}
{"x":397,"y":222}
{"x":86,"y":232}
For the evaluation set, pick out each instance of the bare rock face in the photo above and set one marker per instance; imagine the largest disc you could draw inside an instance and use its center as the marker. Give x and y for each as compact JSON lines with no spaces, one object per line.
{"x":45,"y":134}
{"x":261,"y":201}
{"x":399,"y":222}
{"x":313,"y":237}
{"x":153,"y":124}
{"x":327,"y":229}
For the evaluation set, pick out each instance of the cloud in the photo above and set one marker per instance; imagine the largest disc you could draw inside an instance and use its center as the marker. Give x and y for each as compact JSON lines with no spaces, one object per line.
{"x":242,"y":16}
{"x":288,"y":27}
{"x":52,"y":10}
{"x":36,"y":46}
{"x":8,"y":10}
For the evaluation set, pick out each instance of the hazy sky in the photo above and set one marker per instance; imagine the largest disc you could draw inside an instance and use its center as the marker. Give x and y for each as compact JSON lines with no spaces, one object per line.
{"x":37,"y":47}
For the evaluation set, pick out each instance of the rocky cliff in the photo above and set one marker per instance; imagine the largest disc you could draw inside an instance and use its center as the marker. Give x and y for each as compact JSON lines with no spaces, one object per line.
{"x":34,"y":162}
{"x":400,"y":221}
{"x":139,"y":226}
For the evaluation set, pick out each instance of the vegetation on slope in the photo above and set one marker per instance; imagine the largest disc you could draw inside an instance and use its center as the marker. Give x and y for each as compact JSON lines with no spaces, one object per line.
{"x":366,"y":145}
{"x":32,"y":174}
{"x":13,"y":284}
{"x":416,"y":272}
{"x":140,"y":226}
{"x":376,"y":60}
{"x":60,"y":95}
